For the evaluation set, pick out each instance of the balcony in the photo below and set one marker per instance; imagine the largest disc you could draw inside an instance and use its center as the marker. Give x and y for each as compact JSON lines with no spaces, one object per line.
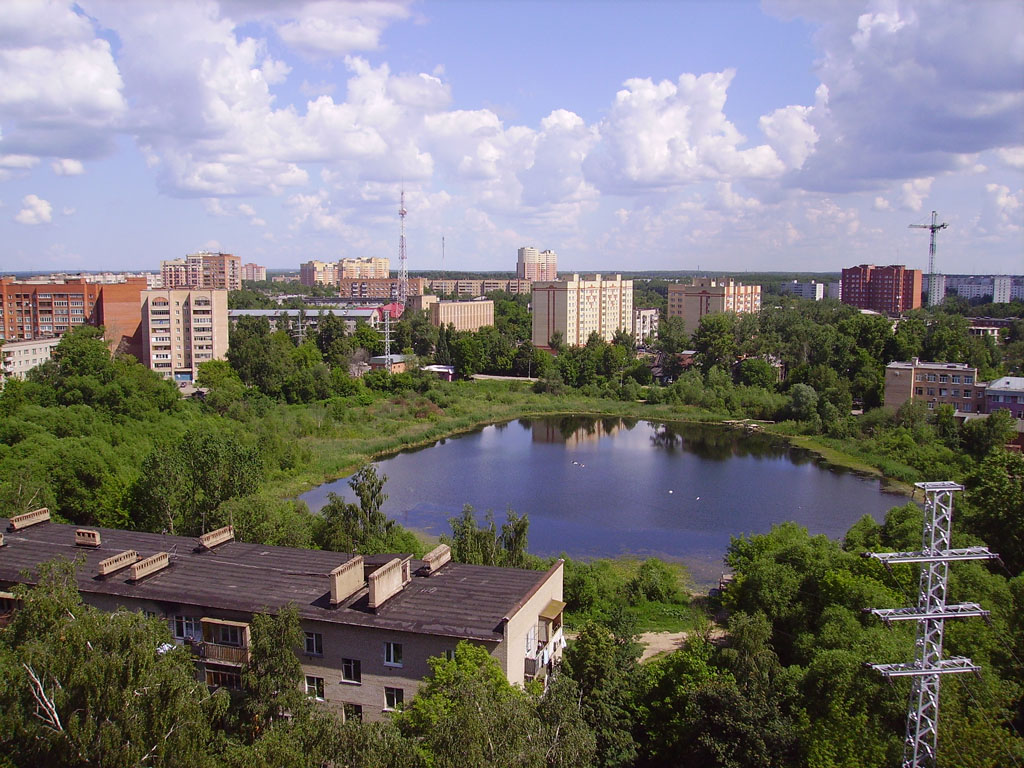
{"x":223,"y":654}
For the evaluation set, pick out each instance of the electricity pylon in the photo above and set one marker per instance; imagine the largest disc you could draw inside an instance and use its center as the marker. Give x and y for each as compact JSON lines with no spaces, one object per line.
{"x":922,"y":738}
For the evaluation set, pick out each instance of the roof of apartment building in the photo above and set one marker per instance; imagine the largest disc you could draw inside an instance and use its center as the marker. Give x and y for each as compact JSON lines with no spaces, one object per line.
{"x":365,"y":312}
{"x":1006,"y":384}
{"x":915,"y":363}
{"x":456,"y":600}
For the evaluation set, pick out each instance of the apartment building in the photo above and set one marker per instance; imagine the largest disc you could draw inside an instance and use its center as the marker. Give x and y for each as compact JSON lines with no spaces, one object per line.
{"x":377,"y":289}
{"x":535,"y":265}
{"x":181,"y":329}
{"x":303,"y":322}
{"x":17,"y":358}
{"x":38,"y":310}
{"x":369,"y":622}
{"x":892,"y":290}
{"x":645,"y":324}
{"x":318,"y":273}
{"x":576,"y":307}
{"x":203,"y":270}
{"x":254,"y":272}
{"x":1008,"y":393}
{"x":936,"y":384}
{"x":709,"y":295}
{"x":373,"y":267}
{"x":463,"y":315}
{"x":812,"y":291}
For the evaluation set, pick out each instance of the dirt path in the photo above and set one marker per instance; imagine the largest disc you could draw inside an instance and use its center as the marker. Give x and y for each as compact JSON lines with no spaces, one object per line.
{"x":666,"y":642}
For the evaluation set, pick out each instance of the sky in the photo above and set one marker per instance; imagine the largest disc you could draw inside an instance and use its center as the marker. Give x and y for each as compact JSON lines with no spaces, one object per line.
{"x":790,"y":135}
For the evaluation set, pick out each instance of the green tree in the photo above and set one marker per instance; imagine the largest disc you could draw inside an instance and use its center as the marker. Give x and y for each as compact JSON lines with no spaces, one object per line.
{"x":715,"y":340}
{"x":757,"y":372}
{"x":273,"y":675}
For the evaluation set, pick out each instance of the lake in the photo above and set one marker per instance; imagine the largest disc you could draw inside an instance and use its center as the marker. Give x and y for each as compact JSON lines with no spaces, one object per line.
{"x":608,"y":487}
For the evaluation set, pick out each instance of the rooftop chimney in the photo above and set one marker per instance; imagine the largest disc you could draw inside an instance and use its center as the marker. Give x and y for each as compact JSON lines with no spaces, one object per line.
{"x":87,"y":538}
{"x":220,"y":536}
{"x":388,"y":580}
{"x":117,"y":562}
{"x":346,"y":579}
{"x":40,"y":515}
{"x":150,"y":565}
{"x":437,"y":557}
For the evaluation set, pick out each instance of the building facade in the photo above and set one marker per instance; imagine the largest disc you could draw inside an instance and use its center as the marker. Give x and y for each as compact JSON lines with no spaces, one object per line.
{"x":463,"y":315}
{"x":254,"y":272}
{"x":535,"y":265}
{"x":377,"y":289}
{"x":710,"y":295}
{"x":203,"y":270}
{"x":893,"y":289}
{"x":370,"y":267}
{"x":318,"y":273}
{"x":936,"y":384}
{"x":812,"y":291}
{"x":1002,"y":287}
{"x":369,"y":623}
{"x":645,"y":324}
{"x":303,"y":322}
{"x":17,"y":358}
{"x":183,"y":329}
{"x":575,"y":307}
{"x":1006,"y":393}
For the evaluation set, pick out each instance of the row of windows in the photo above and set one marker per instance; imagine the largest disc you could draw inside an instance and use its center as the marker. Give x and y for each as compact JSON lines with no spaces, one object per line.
{"x":945,"y":378}
{"x":394,"y":698}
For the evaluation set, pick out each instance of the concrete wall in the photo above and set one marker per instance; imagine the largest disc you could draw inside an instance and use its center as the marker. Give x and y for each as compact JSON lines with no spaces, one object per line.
{"x":511,"y":654}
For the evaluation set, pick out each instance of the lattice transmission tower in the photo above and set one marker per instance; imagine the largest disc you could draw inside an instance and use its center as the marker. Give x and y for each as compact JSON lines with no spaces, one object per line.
{"x":403,"y":267}
{"x":921,"y":743}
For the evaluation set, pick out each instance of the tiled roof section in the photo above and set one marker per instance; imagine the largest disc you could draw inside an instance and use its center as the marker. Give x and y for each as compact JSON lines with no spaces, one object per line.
{"x":465,"y":601}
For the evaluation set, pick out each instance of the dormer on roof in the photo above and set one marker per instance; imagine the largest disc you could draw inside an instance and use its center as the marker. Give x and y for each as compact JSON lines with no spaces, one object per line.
{"x":388,"y":580}
{"x":40,"y":515}
{"x":346,"y":580}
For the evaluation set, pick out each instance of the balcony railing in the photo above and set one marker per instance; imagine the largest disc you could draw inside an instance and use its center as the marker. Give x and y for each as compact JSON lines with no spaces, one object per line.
{"x":224,"y":654}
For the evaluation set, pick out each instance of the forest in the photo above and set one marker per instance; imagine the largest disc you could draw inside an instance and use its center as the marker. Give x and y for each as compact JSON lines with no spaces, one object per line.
{"x":101,"y":440}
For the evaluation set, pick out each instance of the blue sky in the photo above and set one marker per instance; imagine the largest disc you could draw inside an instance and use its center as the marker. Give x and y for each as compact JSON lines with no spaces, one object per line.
{"x":798,"y":135}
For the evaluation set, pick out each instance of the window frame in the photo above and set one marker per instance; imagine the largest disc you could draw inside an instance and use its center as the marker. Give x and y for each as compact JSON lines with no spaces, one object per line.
{"x":314,"y":644}
{"x":392,"y":654}
{"x":394,"y":699}
{"x":316,"y":688}
{"x":352,"y":671}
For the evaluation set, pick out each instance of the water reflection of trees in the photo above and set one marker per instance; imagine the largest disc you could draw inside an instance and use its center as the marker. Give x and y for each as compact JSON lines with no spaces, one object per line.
{"x":714,"y":441}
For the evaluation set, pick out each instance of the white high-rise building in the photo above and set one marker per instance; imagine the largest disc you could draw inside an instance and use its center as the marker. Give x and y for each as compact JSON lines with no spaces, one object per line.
{"x":576,"y":307}
{"x":536,"y":265}
{"x":1001,"y":288}
{"x":936,"y":289}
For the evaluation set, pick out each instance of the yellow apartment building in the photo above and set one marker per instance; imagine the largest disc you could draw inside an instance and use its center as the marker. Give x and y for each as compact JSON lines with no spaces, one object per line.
{"x":577,"y":307}
{"x":464,"y":315}
{"x":709,"y":295}
{"x":182,"y":329}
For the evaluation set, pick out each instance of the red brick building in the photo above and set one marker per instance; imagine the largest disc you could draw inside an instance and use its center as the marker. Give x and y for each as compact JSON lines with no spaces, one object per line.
{"x":893,"y":289}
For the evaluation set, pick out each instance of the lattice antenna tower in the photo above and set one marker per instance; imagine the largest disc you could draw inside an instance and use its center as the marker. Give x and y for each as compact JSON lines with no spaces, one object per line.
{"x":933,"y":282}
{"x":922,"y":737}
{"x":387,"y":339}
{"x":403,"y":274}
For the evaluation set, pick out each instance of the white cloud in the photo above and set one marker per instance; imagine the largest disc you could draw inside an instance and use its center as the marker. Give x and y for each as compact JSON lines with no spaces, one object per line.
{"x":66,"y":166}
{"x":338,"y":27}
{"x":881,"y":204}
{"x":68,"y":211}
{"x":1012,"y":156}
{"x":913,"y":193}
{"x":790,"y":134}
{"x":1008,"y":207}
{"x":661,"y":134}
{"x":34,"y":211}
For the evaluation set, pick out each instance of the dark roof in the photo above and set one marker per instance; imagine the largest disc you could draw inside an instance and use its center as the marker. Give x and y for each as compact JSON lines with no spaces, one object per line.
{"x":466,"y":601}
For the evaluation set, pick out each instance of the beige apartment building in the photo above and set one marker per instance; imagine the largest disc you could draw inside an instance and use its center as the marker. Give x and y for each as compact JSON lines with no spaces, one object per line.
{"x":370,"y":267}
{"x":533,"y":265}
{"x":577,"y":307}
{"x":181,"y":329}
{"x":936,"y":384}
{"x":254,"y":272}
{"x":709,"y":295}
{"x":17,"y":358}
{"x":464,"y":315}
{"x":203,"y":270}
{"x":318,"y":273}
{"x":645,"y":324}
{"x":369,"y":623}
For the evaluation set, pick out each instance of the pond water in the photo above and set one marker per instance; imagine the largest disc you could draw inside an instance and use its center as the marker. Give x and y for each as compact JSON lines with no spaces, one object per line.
{"x":608,"y":487}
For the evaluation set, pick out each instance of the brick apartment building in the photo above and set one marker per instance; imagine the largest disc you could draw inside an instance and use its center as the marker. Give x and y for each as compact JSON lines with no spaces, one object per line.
{"x":936,"y":384}
{"x":254,"y":272}
{"x":369,"y":623}
{"x":376,"y":289}
{"x":891,"y":290}
{"x":203,"y":270}
{"x":38,"y":310}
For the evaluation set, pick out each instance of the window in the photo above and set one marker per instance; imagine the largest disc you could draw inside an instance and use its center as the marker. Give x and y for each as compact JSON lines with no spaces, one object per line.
{"x":956,"y":379}
{"x":314,"y":644}
{"x":225,"y":635}
{"x":188,"y":628}
{"x":918,"y":390}
{"x":968,"y":379}
{"x":943,"y":392}
{"x":943,"y":379}
{"x":449,"y":654}
{"x":931,"y":390}
{"x":352,"y":712}
{"x":965,"y":407}
{"x":216,"y":678}
{"x":393,"y":654}
{"x":315,"y":687}
{"x":351,"y":671}
{"x":956,"y":393}
{"x":931,"y":377}
{"x":394,"y":698}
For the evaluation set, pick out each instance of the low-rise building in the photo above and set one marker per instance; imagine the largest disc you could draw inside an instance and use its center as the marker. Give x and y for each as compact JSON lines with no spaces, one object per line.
{"x":953,"y":384}
{"x":369,"y":623}
{"x":17,"y":358}
{"x":376,"y":288}
{"x":1006,"y":393}
{"x":306,"y":321}
{"x":463,"y":315}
